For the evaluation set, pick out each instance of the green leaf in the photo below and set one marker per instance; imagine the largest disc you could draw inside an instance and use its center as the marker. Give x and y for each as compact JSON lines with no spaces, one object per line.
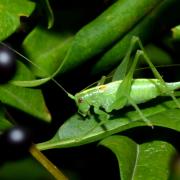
{"x":78,"y":130}
{"x":47,"y":49}
{"x":28,"y":100}
{"x":141,"y":161}
{"x":25,"y":78}
{"x":10,"y":12}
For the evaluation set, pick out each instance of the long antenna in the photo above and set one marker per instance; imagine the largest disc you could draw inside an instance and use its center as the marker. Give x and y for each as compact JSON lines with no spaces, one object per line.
{"x":52,"y":76}
{"x":41,"y":69}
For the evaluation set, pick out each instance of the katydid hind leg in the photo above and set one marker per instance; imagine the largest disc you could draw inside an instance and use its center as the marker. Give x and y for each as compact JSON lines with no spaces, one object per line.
{"x":125,"y":87}
{"x":122,"y":69}
{"x":164,"y":88}
{"x":123,"y":92}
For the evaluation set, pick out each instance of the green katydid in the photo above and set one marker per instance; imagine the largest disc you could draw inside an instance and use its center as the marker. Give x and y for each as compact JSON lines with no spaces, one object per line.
{"x":124,"y":90}
{"x":117,"y":94}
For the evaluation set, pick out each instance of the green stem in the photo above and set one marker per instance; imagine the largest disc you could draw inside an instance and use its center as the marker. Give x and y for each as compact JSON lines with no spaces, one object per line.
{"x":50,"y":167}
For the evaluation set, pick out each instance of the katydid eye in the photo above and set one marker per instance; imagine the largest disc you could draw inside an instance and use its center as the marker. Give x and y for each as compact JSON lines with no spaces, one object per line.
{"x":16,"y":142}
{"x":7,"y":65}
{"x":80,"y":100}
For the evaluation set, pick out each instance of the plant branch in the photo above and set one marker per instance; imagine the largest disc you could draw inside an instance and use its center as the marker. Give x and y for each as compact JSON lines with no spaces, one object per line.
{"x":50,"y":167}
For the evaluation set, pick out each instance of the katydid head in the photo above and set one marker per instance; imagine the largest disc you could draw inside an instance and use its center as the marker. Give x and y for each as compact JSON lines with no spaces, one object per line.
{"x":83,"y":106}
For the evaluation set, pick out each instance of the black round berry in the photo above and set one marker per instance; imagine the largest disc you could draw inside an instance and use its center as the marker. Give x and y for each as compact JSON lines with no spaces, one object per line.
{"x":16,"y":142}
{"x":7,"y":64}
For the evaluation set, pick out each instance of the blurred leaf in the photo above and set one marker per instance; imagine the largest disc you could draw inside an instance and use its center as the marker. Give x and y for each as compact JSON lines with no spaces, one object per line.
{"x":141,"y":161}
{"x":157,"y":55}
{"x":24,"y":169}
{"x":104,"y":30}
{"x":47,"y":49}
{"x":25,"y":78}
{"x":49,"y":12}
{"x":4,"y":122}
{"x":175,"y":167}
{"x":22,"y":73}
{"x":152,"y":25}
{"x":10,"y":12}
{"x":78,"y":130}
{"x":176,"y":33}
{"x":28,"y":100}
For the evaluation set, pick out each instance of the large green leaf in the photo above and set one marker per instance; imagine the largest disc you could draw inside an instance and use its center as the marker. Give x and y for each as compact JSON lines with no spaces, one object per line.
{"x":10,"y":12}
{"x":104,"y":30}
{"x":78,"y":130}
{"x":148,"y":161}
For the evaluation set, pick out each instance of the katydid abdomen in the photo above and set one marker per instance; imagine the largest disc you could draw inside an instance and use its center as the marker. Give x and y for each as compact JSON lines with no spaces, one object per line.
{"x":142,"y":90}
